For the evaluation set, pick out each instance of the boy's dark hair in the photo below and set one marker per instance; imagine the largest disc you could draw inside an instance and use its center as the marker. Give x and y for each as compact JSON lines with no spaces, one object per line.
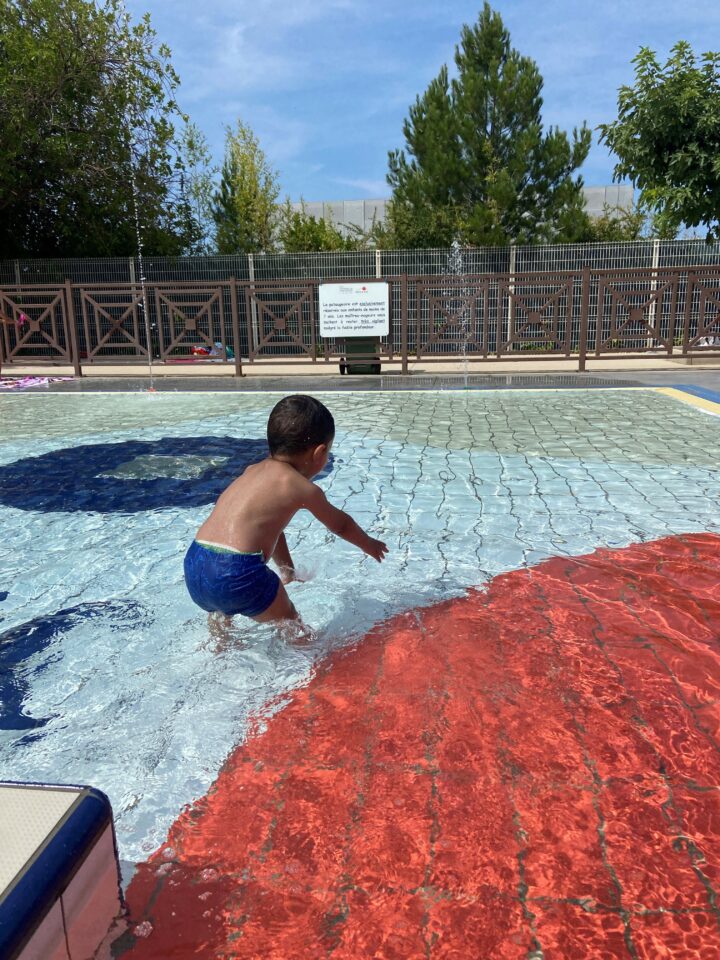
{"x":298,"y":423}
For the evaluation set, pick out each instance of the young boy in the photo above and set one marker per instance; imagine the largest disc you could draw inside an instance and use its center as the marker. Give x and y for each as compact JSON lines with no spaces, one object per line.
{"x":226,"y":566}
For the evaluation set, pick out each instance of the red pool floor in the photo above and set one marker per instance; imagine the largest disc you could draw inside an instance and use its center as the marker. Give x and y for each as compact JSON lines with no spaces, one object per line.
{"x":531,"y":771}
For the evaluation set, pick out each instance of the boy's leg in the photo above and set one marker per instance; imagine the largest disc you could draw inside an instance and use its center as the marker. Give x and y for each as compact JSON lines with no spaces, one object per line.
{"x":280,"y":609}
{"x":219,"y":628}
{"x":218,"y":625}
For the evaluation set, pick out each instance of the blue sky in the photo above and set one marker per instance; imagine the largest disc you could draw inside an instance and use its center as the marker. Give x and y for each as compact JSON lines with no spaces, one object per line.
{"x":326,"y":84}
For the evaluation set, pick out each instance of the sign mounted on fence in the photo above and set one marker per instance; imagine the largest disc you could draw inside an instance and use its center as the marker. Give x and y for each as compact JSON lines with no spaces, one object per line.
{"x":354,"y":309}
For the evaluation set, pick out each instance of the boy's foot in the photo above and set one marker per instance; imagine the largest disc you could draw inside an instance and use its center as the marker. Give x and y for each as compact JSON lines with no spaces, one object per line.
{"x":295,"y":632}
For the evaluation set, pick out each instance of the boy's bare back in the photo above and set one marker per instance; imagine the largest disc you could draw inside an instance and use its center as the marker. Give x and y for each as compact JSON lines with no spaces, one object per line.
{"x":255,"y":509}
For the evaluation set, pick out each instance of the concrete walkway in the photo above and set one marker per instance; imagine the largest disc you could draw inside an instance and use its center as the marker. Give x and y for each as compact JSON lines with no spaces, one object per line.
{"x":293,"y":377}
{"x":269,"y":369}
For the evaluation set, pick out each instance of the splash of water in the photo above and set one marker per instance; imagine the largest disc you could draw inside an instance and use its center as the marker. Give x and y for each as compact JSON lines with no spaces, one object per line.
{"x":459,"y":301}
{"x":131,"y":121}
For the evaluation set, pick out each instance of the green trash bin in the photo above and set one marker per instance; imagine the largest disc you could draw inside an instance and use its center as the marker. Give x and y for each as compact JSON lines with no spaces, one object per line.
{"x":366,"y":349}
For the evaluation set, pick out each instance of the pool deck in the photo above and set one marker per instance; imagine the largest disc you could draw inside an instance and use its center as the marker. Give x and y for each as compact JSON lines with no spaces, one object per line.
{"x":284,"y":377}
{"x":290,"y":368}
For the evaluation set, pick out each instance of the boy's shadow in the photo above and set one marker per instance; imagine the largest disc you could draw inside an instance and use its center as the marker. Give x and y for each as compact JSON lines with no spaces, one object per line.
{"x":130,"y":476}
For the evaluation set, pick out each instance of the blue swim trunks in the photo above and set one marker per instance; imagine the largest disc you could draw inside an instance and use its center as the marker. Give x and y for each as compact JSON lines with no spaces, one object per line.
{"x":224,"y":580}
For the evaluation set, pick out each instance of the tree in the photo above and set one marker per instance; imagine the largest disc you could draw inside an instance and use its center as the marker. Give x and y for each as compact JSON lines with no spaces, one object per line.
{"x":667,"y":137}
{"x":300,"y":232}
{"x":198,"y":188}
{"x":618,"y":224}
{"x":244,"y":206}
{"x":477,"y":166}
{"x":87,"y":105}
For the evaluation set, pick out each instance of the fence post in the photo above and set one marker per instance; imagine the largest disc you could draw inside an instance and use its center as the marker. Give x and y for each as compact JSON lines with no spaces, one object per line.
{"x":652,"y":312}
{"x":404,"y":323}
{"x":72,"y":330}
{"x":687,"y":312}
{"x":253,"y":304}
{"x":237,"y":345}
{"x":378,"y":264}
{"x":511,"y":291}
{"x":584,"y":311}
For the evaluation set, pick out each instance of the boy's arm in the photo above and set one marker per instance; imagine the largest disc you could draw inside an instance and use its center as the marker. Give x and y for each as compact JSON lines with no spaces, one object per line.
{"x":281,"y":556}
{"x":342,"y":524}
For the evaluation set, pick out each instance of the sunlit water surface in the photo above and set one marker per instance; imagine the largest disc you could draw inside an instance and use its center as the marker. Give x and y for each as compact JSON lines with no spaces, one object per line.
{"x":109,"y":674}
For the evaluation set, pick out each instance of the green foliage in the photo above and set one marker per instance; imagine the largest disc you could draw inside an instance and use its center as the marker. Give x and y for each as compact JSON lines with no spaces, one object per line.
{"x":417,"y":224}
{"x":536,"y":346}
{"x":618,"y":225}
{"x":81,"y":89}
{"x":667,"y":137}
{"x":478,"y":166}
{"x":198,"y":188}
{"x":244,"y":205}
{"x":299,"y":232}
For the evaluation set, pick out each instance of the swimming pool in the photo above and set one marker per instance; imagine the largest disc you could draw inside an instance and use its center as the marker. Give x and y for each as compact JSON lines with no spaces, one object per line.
{"x":109,"y":676}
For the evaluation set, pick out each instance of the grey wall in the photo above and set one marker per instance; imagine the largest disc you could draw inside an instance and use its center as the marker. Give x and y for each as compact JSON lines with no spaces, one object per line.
{"x":360,"y":213}
{"x":614,"y":197}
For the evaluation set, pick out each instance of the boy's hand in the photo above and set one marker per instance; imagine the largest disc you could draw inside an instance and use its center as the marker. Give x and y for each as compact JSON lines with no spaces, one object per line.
{"x":376,"y":549}
{"x":287,"y":575}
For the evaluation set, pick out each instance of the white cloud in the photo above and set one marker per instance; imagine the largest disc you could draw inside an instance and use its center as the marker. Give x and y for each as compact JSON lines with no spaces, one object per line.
{"x":282,"y":138}
{"x":373,"y":189}
{"x":279,"y":15}
{"x":263,"y":46}
{"x":238,"y":60}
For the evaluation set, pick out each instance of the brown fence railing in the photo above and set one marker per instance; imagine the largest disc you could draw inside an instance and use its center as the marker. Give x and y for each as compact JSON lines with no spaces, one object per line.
{"x":496,"y":316}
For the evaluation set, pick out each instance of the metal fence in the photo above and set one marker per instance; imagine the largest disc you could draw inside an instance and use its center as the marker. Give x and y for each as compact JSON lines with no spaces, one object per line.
{"x":485,"y":315}
{"x":361,"y":264}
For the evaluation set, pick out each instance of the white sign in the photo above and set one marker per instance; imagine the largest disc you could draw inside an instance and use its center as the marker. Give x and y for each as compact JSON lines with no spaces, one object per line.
{"x":354,"y":309}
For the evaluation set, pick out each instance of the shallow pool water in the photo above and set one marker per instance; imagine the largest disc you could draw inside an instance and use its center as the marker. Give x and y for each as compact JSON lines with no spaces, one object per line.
{"x":107,"y":670}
